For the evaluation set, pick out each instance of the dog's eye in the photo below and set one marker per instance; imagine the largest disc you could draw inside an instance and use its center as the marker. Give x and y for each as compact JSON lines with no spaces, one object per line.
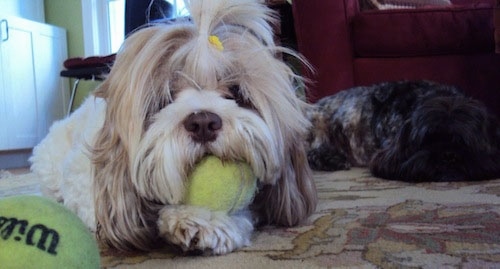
{"x":155,"y":106}
{"x":236,"y":92}
{"x":236,"y":95}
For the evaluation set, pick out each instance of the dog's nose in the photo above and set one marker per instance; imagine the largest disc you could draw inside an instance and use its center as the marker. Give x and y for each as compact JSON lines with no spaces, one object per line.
{"x":203,"y":126}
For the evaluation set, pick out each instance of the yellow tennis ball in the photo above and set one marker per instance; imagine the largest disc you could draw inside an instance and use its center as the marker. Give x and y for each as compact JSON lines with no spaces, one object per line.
{"x":221,"y":185}
{"x":36,"y":232}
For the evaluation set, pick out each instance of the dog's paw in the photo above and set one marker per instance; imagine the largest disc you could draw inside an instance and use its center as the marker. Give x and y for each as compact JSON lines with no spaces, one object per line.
{"x":327,"y":159}
{"x":180,"y":226}
{"x":199,"y":229}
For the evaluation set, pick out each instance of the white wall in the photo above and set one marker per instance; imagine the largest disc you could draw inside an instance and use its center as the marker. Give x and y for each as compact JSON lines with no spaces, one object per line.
{"x":31,"y":10}
{"x":28,"y":9}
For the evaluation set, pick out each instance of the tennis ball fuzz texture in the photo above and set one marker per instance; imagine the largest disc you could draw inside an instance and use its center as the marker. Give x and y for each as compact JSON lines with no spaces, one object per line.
{"x":36,"y":232}
{"x":221,"y":185}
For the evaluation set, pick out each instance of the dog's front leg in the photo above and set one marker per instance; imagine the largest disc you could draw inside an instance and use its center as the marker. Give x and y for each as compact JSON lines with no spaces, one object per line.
{"x":196,"y":228}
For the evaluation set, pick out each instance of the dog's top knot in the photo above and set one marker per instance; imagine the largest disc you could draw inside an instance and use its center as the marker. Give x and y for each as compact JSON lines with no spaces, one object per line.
{"x":214,"y":17}
{"x":215,"y":41}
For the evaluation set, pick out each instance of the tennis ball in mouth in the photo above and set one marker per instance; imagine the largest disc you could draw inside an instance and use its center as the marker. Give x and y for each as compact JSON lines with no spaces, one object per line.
{"x":221,"y":185}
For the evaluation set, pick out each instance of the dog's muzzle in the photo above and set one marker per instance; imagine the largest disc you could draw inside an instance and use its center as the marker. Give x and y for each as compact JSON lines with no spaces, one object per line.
{"x":203,"y":126}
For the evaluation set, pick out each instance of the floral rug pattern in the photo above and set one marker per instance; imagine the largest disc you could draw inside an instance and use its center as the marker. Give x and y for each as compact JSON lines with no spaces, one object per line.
{"x":363,"y":222}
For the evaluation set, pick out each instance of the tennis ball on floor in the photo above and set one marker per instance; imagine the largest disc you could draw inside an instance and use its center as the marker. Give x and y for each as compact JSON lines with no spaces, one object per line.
{"x":36,"y":232}
{"x":221,"y":185}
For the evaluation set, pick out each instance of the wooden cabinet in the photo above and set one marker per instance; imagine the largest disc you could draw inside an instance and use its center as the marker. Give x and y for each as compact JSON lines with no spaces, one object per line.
{"x":32,"y":94}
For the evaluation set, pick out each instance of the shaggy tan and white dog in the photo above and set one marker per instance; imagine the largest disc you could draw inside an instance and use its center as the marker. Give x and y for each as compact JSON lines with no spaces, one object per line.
{"x":212,"y":85}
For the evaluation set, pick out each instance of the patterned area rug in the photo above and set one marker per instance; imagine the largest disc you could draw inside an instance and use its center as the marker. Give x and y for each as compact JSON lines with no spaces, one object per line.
{"x":361,"y":222}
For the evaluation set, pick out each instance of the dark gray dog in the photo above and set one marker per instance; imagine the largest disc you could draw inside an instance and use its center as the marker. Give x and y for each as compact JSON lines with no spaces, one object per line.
{"x":409,"y":130}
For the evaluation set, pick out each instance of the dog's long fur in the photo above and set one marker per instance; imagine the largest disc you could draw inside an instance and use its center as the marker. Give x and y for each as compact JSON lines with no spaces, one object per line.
{"x":406,"y":130}
{"x":121,"y":160}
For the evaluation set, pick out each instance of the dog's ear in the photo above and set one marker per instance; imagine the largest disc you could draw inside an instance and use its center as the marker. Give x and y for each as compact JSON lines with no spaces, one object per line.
{"x":382,"y":96}
{"x":124,"y":219}
{"x":293,"y":197}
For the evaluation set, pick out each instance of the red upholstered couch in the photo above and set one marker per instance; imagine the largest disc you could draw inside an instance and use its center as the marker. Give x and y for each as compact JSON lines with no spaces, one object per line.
{"x":349,"y":47}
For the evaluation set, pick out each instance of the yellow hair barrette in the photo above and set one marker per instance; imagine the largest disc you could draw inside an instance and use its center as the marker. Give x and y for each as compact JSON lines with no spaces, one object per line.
{"x":214,"y":40}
